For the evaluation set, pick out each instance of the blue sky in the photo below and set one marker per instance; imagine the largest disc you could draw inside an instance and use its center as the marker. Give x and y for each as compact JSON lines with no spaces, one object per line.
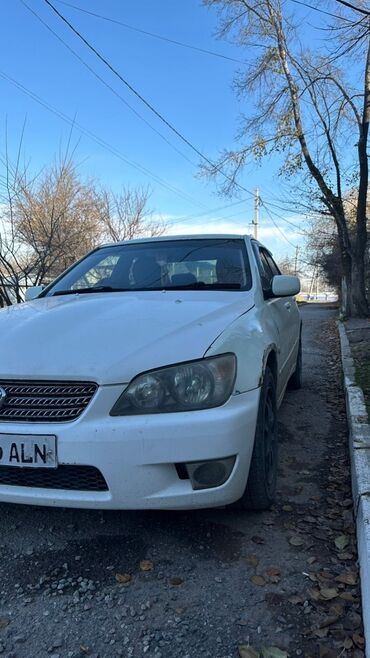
{"x":191,"y":89}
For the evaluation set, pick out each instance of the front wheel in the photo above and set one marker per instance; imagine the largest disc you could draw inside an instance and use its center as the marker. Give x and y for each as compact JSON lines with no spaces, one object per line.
{"x":261,"y":485}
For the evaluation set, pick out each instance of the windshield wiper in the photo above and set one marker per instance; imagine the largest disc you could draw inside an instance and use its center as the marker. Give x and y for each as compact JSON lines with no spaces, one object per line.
{"x":85,"y":291}
{"x":200,"y":285}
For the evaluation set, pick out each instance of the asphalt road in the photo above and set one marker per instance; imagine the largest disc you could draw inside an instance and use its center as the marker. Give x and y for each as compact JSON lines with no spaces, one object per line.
{"x":216,"y":579}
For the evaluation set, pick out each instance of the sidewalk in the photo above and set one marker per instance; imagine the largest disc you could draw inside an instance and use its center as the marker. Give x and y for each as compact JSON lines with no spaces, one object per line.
{"x":351,"y":333}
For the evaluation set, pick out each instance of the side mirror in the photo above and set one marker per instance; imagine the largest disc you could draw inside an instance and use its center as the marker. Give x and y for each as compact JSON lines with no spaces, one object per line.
{"x":285,"y":286}
{"x":33,"y":292}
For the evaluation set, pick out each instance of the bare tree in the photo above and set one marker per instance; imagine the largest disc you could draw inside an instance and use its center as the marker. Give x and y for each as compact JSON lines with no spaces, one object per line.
{"x":323,"y":247}
{"x":58,"y":217}
{"x":126,"y":215}
{"x":17,"y":262}
{"x":306,"y":107}
{"x":290,"y":265}
{"x":16,"y":268}
{"x":51,"y":219}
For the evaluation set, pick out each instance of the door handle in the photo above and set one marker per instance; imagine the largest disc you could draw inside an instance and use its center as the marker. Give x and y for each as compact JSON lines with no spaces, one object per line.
{"x":287,"y":305}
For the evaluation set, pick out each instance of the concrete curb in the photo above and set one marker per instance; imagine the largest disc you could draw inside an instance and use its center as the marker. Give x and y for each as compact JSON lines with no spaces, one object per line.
{"x":359,"y":447}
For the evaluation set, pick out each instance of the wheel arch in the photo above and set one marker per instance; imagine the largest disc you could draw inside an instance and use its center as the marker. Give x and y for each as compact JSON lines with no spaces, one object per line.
{"x":270,"y":361}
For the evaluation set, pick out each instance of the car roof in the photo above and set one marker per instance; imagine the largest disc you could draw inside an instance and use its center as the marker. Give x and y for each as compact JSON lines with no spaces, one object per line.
{"x":196,"y":236}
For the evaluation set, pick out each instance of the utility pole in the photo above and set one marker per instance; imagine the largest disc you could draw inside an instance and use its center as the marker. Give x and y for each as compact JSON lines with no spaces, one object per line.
{"x":312,"y":280}
{"x":296,"y":261}
{"x":256,"y":220}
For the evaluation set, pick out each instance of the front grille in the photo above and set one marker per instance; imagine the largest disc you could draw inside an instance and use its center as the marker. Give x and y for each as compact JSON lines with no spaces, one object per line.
{"x":72,"y":478}
{"x":44,"y":402}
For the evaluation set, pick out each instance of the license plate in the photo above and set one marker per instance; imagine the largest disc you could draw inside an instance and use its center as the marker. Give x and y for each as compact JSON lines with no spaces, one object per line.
{"x":28,"y":450}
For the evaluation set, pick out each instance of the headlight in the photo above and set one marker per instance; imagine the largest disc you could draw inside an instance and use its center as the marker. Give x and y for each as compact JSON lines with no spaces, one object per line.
{"x":184,"y":387}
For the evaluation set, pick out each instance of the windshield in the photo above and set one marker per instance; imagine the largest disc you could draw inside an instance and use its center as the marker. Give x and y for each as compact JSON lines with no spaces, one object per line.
{"x":194,"y":264}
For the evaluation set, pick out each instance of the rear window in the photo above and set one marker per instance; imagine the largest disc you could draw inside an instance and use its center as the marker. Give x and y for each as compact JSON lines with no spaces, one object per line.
{"x":196,"y":264}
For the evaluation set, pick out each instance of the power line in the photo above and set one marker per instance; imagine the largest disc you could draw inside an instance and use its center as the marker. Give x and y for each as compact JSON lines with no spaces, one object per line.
{"x":162,"y":118}
{"x":178,"y":220}
{"x":119,"y":155}
{"x":126,"y":83}
{"x":143,"y":100}
{"x":214,"y":166}
{"x":321,"y":11}
{"x":135,"y":165}
{"x":100,"y":141}
{"x":106,"y":84}
{"x":264,"y":204}
{"x":301,"y":231}
{"x":287,"y":221}
{"x":276,"y":205}
{"x":277,"y":227}
{"x":351,"y":6}
{"x":204,"y":51}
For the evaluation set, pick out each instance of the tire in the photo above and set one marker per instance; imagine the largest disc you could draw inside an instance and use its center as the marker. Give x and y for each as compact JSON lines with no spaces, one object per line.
{"x":295,"y":382}
{"x":260,"y":491}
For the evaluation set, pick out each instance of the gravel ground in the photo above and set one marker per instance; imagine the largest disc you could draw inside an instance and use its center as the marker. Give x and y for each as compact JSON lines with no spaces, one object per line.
{"x":210,"y":583}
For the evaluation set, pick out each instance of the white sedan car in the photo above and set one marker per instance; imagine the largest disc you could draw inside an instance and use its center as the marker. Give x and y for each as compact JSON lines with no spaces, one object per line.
{"x":149,"y":375}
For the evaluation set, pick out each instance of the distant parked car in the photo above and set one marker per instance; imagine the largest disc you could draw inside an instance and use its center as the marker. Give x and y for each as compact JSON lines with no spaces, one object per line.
{"x":132,"y":382}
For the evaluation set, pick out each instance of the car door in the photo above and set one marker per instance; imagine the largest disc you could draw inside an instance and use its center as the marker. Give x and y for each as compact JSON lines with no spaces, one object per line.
{"x":291,"y":305}
{"x":280,"y":310}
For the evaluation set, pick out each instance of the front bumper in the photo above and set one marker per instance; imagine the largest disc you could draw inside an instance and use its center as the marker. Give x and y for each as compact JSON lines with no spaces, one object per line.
{"x":137,"y":454}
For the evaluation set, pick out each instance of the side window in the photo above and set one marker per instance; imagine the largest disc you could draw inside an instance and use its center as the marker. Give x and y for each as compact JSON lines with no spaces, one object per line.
{"x":274,"y":268}
{"x":263,"y":266}
{"x":267,"y":271}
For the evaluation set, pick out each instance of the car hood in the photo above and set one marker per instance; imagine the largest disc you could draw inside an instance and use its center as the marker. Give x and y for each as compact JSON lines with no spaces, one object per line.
{"x":111,"y":337}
